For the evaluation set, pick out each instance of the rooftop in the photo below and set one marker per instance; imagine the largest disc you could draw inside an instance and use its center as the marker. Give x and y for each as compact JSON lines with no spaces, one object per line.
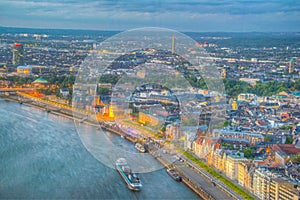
{"x":24,"y":67}
{"x":288,"y":149}
{"x":40,"y":80}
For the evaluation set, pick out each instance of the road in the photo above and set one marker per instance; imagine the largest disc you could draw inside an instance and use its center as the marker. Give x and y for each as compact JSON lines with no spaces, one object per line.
{"x":203,"y":182}
{"x":191,"y":173}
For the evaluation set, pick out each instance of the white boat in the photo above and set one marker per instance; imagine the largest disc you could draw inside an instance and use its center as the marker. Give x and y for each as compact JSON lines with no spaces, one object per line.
{"x":140,"y":147}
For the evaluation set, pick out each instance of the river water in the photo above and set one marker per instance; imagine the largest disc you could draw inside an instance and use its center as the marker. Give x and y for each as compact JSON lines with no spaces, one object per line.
{"x":42,"y":156}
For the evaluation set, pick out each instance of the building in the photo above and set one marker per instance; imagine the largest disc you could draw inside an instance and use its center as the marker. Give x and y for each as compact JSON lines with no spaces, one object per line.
{"x":24,"y":70}
{"x":246,"y":97}
{"x":64,"y":92}
{"x":251,"y":81}
{"x":163,"y":98}
{"x":245,"y":172}
{"x":281,"y":189}
{"x":234,"y":105}
{"x":273,"y":186}
{"x":224,"y":73}
{"x":244,"y":136}
{"x":204,"y":147}
{"x":173,"y":131}
{"x":291,"y":65}
{"x":18,"y":54}
{"x":261,"y":183}
{"x":219,"y":158}
{"x":189,"y":133}
{"x":40,"y":83}
{"x":173,"y":44}
{"x":231,"y":164}
{"x":148,"y":119}
{"x":37,"y":69}
{"x":111,"y":112}
{"x":282,"y":152}
{"x":141,"y":73}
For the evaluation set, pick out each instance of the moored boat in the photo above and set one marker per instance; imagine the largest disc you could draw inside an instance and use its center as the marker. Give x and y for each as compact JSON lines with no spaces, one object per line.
{"x":174,"y":174}
{"x":141,"y":148}
{"x":132,"y":180}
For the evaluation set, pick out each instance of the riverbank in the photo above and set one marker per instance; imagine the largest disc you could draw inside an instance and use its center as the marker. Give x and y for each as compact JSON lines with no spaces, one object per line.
{"x":192,"y":184}
{"x":43,"y":106}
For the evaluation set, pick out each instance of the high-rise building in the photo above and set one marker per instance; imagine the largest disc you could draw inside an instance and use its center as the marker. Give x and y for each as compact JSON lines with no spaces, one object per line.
{"x":173,"y":44}
{"x":18,"y":55}
{"x":291,"y":65}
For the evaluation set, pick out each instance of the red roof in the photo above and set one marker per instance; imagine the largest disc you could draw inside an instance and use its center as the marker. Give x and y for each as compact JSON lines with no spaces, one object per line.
{"x":217,"y":146}
{"x":264,"y":162}
{"x":199,"y":140}
{"x":286,"y":148}
{"x":209,"y":141}
{"x":18,"y":44}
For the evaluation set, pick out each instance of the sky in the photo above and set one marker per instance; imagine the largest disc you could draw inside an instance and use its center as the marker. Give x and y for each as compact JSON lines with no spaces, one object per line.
{"x":181,"y":15}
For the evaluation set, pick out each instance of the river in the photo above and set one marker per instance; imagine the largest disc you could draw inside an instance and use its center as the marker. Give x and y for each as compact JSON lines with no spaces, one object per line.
{"x":42,"y":156}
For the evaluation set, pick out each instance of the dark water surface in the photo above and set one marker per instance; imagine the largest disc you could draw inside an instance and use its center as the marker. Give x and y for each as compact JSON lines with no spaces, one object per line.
{"x":41,"y":156}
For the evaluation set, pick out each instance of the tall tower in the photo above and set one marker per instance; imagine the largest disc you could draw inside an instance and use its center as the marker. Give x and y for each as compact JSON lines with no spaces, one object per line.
{"x":18,"y":54}
{"x":291,"y":65}
{"x":234,"y":105}
{"x":173,"y":44}
{"x":111,"y":112}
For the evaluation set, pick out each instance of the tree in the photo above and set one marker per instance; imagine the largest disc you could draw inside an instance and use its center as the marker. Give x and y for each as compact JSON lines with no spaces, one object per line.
{"x":103,"y":90}
{"x":296,"y":158}
{"x":248,"y":152}
{"x":268,"y":138}
{"x":113,"y":79}
{"x":45,"y":91}
{"x":289,"y":140}
{"x":226,"y":123}
{"x":163,"y":129}
{"x":287,"y":127}
{"x":297,"y":84}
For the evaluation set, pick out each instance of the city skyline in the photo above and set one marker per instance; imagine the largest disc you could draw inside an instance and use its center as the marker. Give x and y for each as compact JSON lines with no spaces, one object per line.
{"x":219,"y":111}
{"x":198,"y":16}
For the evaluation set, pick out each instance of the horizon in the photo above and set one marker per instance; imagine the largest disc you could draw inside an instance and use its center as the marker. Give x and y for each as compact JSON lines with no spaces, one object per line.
{"x":115,"y":30}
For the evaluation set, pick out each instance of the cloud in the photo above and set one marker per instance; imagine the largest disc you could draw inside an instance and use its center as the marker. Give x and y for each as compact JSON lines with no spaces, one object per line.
{"x":158,"y":6}
{"x":179,"y":14}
